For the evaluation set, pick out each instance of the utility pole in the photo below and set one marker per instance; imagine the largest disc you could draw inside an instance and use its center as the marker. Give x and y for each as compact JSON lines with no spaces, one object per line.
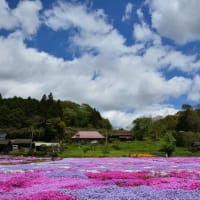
{"x":106,"y":136}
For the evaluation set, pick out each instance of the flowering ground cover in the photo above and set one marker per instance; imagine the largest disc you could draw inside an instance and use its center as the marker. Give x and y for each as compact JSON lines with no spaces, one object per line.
{"x":5,"y":159}
{"x":102,"y":178}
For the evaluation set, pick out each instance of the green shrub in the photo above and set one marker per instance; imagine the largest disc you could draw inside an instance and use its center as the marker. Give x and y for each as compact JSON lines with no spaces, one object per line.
{"x":167,"y":148}
{"x":20,"y":152}
{"x":41,"y":153}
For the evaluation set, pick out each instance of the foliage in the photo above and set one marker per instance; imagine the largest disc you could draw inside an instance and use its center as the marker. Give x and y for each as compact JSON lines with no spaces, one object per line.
{"x":141,"y":127}
{"x":84,"y":116}
{"x":186,"y":138}
{"x":185,"y":126}
{"x":168,"y":148}
{"x":169,"y":144}
{"x":188,"y":120}
{"x":24,"y":152}
{"x":114,"y":149}
{"x":46,"y":119}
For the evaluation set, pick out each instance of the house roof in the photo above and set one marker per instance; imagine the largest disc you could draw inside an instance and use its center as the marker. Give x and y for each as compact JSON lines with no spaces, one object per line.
{"x":88,"y":135}
{"x":21,"y":141}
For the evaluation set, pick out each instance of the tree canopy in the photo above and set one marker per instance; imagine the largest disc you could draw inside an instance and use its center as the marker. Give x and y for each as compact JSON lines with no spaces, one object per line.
{"x":47,"y":118}
{"x":184,"y":126}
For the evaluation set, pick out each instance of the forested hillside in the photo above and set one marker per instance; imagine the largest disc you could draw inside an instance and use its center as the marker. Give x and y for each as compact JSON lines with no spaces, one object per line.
{"x":46,"y":119}
{"x":181,"y":129}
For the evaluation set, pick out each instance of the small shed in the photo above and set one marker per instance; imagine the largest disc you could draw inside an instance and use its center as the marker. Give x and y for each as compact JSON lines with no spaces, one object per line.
{"x":21,"y":143}
{"x":123,"y":136}
{"x":89,"y":136}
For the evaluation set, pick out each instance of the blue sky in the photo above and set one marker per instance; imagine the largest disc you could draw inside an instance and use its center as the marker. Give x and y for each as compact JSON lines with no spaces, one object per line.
{"x":125,"y":58}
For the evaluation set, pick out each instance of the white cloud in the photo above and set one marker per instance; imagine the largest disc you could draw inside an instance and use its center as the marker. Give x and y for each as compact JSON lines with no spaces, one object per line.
{"x":6,"y":13}
{"x":128,"y":12}
{"x":178,"y":60}
{"x":165,"y":57}
{"x":67,"y":15}
{"x":176,"y":19}
{"x":27,"y":13}
{"x":25,"y":16}
{"x":22,"y":68}
{"x":140,"y":15}
{"x":142,"y":33}
{"x":194,"y":94}
{"x":125,"y":119}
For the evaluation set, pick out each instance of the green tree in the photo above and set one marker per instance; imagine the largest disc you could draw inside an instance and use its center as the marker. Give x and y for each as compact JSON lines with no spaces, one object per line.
{"x":55,"y":129}
{"x":141,"y":127}
{"x":156,"y":129}
{"x":169,"y":144}
{"x":170,"y":122}
{"x":188,"y":120}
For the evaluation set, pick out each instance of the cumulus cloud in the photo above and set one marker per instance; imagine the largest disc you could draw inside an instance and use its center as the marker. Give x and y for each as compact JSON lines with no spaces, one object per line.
{"x":115,"y":79}
{"x":6,"y":13}
{"x":25,"y":16}
{"x":178,"y":60}
{"x":142,"y":33}
{"x":128,"y":12}
{"x":22,"y":68}
{"x":119,"y":118}
{"x":176,"y":19}
{"x":194,"y":93}
{"x":67,"y":15}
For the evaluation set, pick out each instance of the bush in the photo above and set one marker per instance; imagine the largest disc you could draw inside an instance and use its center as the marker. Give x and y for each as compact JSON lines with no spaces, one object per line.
{"x":20,"y":152}
{"x":167,"y":148}
{"x":40,"y":153}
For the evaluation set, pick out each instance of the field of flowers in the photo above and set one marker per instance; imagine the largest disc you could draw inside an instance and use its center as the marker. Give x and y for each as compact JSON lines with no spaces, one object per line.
{"x":101,"y":178}
{"x":7,"y":160}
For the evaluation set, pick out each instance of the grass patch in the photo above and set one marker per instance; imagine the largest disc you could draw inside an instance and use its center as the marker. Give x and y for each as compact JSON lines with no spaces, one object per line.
{"x":114,"y":149}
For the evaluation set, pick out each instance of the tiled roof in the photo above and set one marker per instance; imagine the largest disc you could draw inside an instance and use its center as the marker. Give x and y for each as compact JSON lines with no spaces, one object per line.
{"x":88,"y":135}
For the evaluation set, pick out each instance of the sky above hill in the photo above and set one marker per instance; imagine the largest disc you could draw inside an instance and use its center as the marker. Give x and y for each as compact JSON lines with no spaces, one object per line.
{"x":125,"y":58}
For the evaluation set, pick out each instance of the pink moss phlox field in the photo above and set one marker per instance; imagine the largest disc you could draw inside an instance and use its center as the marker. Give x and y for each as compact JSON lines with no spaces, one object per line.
{"x":101,"y":178}
{"x":47,"y":195}
{"x":4,"y":159}
{"x":117,"y":175}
